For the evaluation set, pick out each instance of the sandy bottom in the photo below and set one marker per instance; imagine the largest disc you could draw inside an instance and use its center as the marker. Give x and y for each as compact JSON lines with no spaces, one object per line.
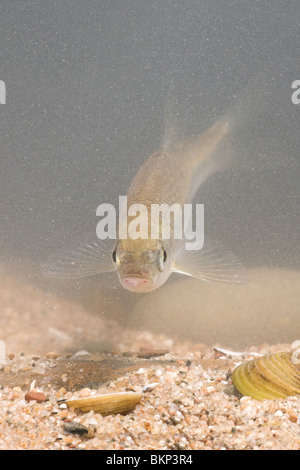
{"x":61,"y":349}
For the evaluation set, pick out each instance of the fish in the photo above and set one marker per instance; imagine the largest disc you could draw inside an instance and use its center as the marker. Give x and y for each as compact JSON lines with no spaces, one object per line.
{"x":169,"y":176}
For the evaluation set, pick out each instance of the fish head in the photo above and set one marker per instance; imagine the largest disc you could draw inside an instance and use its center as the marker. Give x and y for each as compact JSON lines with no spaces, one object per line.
{"x":143,"y":265}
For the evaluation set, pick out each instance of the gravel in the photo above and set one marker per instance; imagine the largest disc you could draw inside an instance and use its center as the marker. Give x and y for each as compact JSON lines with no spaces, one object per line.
{"x":188,"y":400}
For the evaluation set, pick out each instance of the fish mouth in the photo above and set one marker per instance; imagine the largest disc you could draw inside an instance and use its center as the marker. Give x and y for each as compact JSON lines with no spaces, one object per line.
{"x":137,"y":283}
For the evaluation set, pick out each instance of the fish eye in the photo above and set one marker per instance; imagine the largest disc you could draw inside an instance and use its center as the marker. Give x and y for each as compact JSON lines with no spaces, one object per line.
{"x":164,"y":256}
{"x":114,"y":256}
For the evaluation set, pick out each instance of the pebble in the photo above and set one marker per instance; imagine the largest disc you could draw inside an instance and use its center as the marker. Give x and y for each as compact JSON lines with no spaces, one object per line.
{"x":147,"y":353}
{"x":51,"y":355}
{"x":293,"y":417}
{"x":84,"y":392}
{"x":17,"y":392}
{"x":149,"y":387}
{"x":75,"y":428}
{"x":2,"y":352}
{"x":39,"y":397}
{"x":82,"y":352}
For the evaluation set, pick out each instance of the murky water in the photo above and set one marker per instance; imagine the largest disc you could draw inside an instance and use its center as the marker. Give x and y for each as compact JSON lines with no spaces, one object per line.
{"x":88,"y":91}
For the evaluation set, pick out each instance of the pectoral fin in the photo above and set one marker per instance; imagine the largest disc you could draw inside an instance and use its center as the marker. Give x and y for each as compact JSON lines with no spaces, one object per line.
{"x":211,"y":263}
{"x":83,"y":257}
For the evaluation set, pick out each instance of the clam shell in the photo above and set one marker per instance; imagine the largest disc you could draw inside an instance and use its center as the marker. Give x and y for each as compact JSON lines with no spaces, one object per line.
{"x":268,"y":377}
{"x":110,"y":403}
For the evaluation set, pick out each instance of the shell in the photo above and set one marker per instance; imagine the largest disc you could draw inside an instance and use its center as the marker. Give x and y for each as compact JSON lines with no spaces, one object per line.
{"x":111,"y":403}
{"x":268,"y":377}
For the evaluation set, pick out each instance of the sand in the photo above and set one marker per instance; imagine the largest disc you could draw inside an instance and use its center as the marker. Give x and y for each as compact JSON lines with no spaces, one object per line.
{"x":60,"y":349}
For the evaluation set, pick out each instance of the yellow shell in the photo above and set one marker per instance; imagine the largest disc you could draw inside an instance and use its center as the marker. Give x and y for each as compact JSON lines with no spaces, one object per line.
{"x":111,"y":403}
{"x":268,"y":377}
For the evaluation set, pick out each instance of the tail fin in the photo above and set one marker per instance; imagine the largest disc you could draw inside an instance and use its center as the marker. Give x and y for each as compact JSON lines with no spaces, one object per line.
{"x":247,"y":121}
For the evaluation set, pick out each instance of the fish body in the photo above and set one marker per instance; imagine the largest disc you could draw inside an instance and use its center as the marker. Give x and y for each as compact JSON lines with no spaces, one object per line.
{"x":168,"y":177}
